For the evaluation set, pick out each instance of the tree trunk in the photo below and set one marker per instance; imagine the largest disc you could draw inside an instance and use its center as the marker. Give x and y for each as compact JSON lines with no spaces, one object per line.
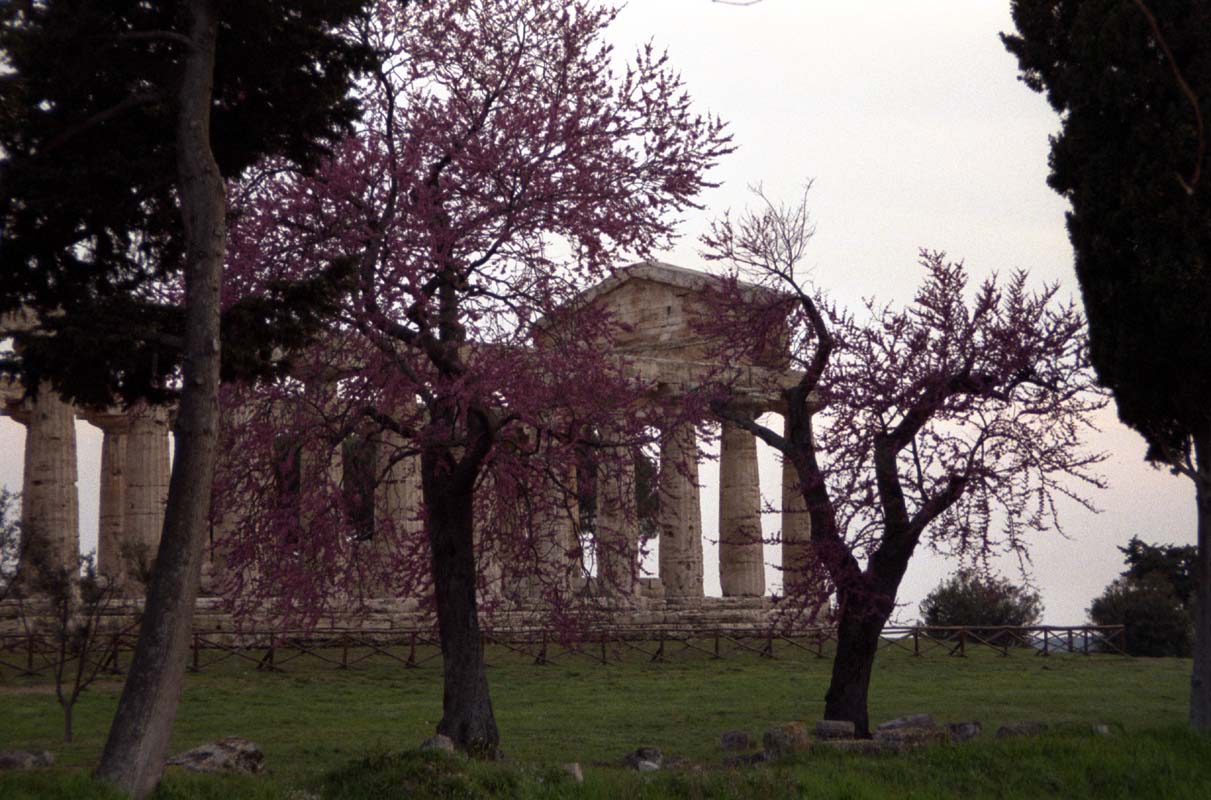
{"x":137,"y":747}
{"x":857,"y":646}
{"x":466,"y":706}
{"x":1200,"y":678}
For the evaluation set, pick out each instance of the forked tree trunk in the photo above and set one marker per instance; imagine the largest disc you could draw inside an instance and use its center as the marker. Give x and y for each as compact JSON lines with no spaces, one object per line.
{"x":857,"y":645}
{"x":1200,"y":677}
{"x":466,"y":705}
{"x":137,"y":747}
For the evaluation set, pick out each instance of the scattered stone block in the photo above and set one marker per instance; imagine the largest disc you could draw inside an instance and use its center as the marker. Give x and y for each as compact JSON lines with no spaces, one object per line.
{"x":439,"y":742}
{"x":864,"y":747}
{"x":649,"y":755}
{"x":735,"y":740}
{"x":647,"y":766}
{"x":1021,"y":729}
{"x":910,"y":721}
{"x":1100,"y":729}
{"x":786,"y":739}
{"x":746,"y":760}
{"x":964,"y":731}
{"x":232,"y":754}
{"x":901,"y":740}
{"x":574,"y":770}
{"x":25,"y":759}
{"x":835,"y":729}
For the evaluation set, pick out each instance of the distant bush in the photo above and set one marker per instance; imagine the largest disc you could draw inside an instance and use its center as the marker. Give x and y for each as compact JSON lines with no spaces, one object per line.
{"x":1157,"y":623}
{"x":980,"y":601}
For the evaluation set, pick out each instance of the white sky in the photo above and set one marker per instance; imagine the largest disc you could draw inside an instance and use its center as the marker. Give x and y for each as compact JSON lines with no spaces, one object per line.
{"x":910,"y":118}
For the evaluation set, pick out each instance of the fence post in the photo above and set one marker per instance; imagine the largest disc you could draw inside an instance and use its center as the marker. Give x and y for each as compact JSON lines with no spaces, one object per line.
{"x":916,"y":641}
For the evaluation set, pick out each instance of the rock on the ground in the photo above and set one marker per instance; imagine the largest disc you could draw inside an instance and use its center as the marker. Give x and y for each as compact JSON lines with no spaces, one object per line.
{"x":25,"y":759}
{"x":573,"y":769}
{"x":835,"y":729}
{"x":642,"y":755}
{"x":439,"y":742}
{"x":910,"y":721}
{"x":785,"y":739}
{"x":860,"y":746}
{"x":233,"y":754}
{"x":646,"y":766}
{"x":901,"y":740}
{"x":964,"y":731}
{"x":1101,"y":729}
{"x":746,"y":760}
{"x":735,"y":740}
{"x":1021,"y":729}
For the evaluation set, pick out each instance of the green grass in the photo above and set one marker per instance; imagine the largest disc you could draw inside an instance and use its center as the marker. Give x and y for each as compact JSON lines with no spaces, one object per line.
{"x":324,"y":729}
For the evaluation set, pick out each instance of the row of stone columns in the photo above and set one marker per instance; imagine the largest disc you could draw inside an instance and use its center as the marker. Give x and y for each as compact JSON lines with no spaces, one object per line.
{"x":133,"y":485}
{"x":134,"y":490}
{"x":741,"y":543}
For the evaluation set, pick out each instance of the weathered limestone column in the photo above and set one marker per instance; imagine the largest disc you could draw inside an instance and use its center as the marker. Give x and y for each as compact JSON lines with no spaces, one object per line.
{"x":797,"y":566}
{"x":557,"y":547}
{"x":617,"y":535}
{"x":114,"y":426}
{"x":741,"y":557}
{"x":320,"y":462}
{"x":680,"y":516}
{"x":146,"y":487}
{"x":50,"y":509}
{"x":397,"y":497}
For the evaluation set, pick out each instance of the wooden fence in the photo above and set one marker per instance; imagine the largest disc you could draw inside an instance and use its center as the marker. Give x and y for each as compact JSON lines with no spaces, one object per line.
{"x":31,"y":654}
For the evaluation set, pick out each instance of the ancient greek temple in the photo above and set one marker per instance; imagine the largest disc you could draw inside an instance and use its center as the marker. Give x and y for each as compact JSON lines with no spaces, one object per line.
{"x":654,"y":302}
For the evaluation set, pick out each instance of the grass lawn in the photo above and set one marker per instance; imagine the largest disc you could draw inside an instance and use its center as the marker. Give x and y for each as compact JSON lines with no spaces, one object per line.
{"x":345,"y":733}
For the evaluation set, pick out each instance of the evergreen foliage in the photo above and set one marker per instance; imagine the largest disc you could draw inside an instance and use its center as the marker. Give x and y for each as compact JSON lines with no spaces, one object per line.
{"x":91,"y":236}
{"x":971,"y":599}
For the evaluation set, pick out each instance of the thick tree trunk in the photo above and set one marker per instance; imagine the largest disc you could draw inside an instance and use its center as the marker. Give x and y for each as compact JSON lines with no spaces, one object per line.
{"x":1200,"y":678}
{"x":466,"y":706}
{"x":857,"y":646}
{"x":137,"y":746}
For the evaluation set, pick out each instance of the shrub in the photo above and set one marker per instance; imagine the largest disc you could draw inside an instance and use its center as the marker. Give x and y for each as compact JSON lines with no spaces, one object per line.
{"x":1157,"y":624}
{"x":979,"y":601}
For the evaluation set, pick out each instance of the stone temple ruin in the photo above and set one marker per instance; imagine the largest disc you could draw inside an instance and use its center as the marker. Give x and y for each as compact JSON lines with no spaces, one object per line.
{"x":654,"y":302}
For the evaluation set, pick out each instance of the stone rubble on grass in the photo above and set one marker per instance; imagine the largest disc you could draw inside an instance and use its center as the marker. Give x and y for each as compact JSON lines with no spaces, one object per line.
{"x":910,"y":721}
{"x":746,"y":760}
{"x":829,"y":729}
{"x":1100,"y":729}
{"x":440,"y":742}
{"x":964,"y":731}
{"x":786,"y":739}
{"x":1021,"y":729}
{"x":25,"y":759}
{"x":864,"y":747}
{"x":573,"y":769}
{"x":232,"y":754}
{"x":735,"y":740}
{"x":644,"y":759}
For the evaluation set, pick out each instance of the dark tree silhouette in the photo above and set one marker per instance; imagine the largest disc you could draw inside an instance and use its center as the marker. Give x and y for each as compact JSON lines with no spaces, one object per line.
{"x":1128,"y":79}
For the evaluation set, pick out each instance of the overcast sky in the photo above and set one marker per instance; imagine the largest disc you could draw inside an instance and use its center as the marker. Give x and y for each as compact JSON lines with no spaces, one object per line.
{"x":911,"y":121}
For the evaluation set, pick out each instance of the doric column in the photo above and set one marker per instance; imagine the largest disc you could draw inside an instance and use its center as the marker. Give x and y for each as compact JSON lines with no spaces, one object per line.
{"x":617,"y":534}
{"x":49,"y":503}
{"x":320,"y":462}
{"x":114,"y":427}
{"x":797,"y":566}
{"x":680,"y":515}
{"x":397,"y":498}
{"x":146,"y":486}
{"x":741,"y":557}
{"x":557,"y":560}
